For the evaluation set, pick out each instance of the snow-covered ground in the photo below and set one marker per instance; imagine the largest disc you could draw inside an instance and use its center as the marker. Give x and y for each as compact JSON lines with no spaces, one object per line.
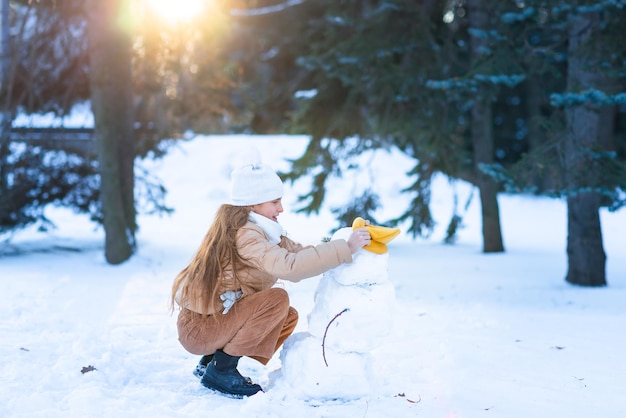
{"x":473,"y":335}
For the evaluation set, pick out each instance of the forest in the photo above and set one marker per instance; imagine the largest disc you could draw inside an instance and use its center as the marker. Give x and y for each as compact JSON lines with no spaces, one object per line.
{"x":509,"y":96}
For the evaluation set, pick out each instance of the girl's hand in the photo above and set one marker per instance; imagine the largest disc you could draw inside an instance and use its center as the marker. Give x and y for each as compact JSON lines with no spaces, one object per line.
{"x":359,"y":238}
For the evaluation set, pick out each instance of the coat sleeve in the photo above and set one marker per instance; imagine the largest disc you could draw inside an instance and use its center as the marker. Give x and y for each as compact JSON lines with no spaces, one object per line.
{"x":293,"y":266}
{"x":290,"y":245}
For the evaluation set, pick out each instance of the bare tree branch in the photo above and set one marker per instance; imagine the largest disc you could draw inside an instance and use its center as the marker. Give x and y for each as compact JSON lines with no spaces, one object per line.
{"x":324,"y":339}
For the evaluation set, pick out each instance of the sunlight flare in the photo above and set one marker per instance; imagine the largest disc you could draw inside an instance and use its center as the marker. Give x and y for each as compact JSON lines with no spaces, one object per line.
{"x":174,"y":11}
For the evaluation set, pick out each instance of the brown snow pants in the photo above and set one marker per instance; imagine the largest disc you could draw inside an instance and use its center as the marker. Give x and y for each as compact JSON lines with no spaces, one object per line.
{"x":255,"y":326}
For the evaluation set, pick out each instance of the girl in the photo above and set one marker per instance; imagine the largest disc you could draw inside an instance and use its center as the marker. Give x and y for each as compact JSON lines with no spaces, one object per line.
{"x":228,"y":305}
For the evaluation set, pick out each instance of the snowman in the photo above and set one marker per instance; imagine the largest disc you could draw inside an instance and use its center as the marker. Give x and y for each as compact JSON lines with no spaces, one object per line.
{"x":352,"y":315}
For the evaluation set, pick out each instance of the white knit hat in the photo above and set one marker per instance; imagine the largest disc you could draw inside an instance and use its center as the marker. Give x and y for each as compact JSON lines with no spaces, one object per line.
{"x":254,"y":182}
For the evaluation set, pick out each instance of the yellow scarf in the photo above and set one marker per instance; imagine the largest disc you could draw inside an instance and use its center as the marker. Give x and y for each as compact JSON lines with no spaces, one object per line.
{"x":381,"y":235}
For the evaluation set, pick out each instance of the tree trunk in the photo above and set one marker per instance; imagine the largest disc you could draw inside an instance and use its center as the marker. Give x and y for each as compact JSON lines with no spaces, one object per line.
{"x":585,"y":255}
{"x":5,"y":114}
{"x":112,"y":105}
{"x":585,"y":252}
{"x":482,"y":137}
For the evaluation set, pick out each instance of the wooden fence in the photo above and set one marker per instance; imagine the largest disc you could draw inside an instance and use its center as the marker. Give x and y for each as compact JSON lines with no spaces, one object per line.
{"x":78,"y":140}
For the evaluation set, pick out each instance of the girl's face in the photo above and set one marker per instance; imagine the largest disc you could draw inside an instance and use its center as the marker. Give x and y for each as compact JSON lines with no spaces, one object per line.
{"x":270,"y":209}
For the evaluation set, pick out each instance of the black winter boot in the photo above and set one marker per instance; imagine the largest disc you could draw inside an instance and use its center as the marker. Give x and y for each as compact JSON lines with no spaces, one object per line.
{"x":222,"y":375}
{"x":203,"y":363}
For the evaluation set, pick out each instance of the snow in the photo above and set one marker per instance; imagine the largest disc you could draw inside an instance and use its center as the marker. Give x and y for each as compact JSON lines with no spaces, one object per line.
{"x":471,"y":335}
{"x":80,"y":116}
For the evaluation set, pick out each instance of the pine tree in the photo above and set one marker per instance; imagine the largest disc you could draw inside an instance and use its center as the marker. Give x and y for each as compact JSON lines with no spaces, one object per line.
{"x":578,"y":156}
{"x":112,"y":104}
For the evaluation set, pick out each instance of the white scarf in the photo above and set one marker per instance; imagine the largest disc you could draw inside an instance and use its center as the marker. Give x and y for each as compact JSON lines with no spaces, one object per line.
{"x":271,"y":228}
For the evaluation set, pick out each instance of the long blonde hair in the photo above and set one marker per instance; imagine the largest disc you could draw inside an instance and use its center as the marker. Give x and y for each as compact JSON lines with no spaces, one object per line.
{"x":218,"y":251}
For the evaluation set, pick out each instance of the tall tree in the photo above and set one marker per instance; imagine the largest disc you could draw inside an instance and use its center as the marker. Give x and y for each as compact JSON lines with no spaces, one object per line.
{"x":5,"y":114}
{"x":585,"y":251}
{"x":112,"y":105}
{"x":364,"y":65}
{"x":481,"y":127}
{"x":579,"y":155}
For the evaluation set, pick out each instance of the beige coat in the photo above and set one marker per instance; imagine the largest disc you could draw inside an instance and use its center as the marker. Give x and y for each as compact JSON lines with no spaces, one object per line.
{"x":288,"y":260}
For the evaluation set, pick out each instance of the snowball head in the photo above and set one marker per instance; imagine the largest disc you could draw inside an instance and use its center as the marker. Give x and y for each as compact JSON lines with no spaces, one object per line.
{"x":366,"y":267}
{"x":254,"y":182}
